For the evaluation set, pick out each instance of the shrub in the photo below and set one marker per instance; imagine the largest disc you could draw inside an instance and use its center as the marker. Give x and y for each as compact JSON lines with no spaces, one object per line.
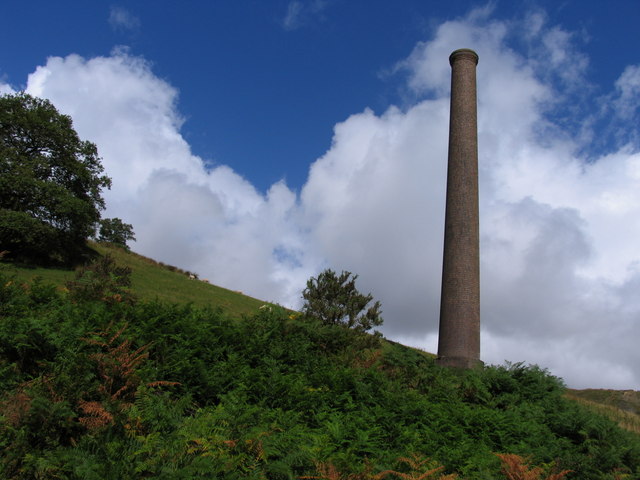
{"x":102,"y":280}
{"x":334,"y":300}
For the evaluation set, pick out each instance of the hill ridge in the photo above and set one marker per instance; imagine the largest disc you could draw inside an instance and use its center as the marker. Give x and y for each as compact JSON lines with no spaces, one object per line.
{"x":153,"y":280}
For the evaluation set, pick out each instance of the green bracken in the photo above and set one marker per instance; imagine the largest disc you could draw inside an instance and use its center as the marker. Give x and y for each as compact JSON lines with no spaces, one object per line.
{"x":97,"y":388}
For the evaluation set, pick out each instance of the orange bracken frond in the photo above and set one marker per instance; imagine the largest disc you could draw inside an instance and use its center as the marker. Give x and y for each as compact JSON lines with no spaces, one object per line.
{"x":417,"y":475}
{"x":120,"y":391}
{"x":117,"y":363}
{"x":558,"y":476}
{"x":328,"y":471}
{"x":16,"y":407}
{"x":418,"y":464}
{"x":104,"y":334}
{"x":117,"y":334}
{"x":514,"y":467}
{"x":162,"y":383}
{"x":96,"y":416}
{"x":415,"y":461}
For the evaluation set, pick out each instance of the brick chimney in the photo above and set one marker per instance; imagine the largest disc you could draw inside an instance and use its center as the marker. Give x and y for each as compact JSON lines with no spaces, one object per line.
{"x":459,"y":336}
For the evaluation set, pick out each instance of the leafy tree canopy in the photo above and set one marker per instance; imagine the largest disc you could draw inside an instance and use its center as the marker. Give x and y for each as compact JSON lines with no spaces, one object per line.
{"x":114,"y":230}
{"x":334,"y":300}
{"x":50,"y":182}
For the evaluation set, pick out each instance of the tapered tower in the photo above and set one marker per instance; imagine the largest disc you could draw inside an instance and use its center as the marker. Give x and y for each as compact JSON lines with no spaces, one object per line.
{"x":459,"y":336}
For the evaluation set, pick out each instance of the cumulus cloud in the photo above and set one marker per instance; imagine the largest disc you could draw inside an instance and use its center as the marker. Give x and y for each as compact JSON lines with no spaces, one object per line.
{"x":5,"y":89}
{"x":560,"y":266}
{"x":211,"y":221}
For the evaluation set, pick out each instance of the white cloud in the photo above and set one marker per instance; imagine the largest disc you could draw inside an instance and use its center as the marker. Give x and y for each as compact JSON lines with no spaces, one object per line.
{"x":560,"y":264}
{"x":628,"y":88}
{"x":301,"y":12}
{"x":210,"y":221}
{"x":6,"y":89}
{"x":121,"y":19}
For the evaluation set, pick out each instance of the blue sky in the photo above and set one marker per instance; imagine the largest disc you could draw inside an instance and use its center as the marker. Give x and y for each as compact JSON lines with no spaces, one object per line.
{"x":269,"y":79}
{"x":259,"y":142}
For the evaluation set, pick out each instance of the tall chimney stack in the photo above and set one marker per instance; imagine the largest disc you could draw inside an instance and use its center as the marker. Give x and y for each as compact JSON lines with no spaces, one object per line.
{"x":459,"y":336}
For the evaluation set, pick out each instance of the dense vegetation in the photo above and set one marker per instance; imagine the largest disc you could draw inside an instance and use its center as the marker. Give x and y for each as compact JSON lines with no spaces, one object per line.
{"x":98,"y":386}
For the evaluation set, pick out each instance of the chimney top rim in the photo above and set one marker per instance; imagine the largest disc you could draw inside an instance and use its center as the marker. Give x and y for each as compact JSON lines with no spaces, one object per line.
{"x":463,"y":52}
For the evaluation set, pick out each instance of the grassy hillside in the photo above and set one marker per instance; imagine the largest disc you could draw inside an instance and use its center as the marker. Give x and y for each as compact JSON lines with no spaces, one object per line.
{"x":108,"y":389}
{"x":152,"y":280}
{"x":621,"y":406}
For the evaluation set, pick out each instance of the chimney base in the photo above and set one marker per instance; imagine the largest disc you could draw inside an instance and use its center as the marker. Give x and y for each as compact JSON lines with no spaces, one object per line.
{"x":459,"y":362}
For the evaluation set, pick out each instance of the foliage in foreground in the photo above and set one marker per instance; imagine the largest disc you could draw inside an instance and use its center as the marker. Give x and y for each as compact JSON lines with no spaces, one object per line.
{"x":95,"y":389}
{"x":415,"y":467}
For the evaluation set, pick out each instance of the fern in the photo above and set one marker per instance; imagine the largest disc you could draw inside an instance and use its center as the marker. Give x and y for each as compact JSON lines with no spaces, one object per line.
{"x":95,"y":415}
{"x":419,"y":469}
{"x":514,"y":467}
{"x":328,"y":471}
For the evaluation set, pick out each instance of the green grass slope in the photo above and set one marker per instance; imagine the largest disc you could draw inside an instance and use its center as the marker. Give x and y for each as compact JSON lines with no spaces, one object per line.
{"x":152,"y":280}
{"x":621,"y":406}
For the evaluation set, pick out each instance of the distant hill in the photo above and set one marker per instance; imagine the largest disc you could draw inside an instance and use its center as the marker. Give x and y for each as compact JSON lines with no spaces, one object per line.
{"x":622,"y":406}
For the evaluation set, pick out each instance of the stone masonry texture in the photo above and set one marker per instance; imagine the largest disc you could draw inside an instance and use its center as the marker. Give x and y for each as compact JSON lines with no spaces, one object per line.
{"x":459,"y":335}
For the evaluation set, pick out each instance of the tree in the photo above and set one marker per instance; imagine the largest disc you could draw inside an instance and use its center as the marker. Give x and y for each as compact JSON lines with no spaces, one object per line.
{"x":334,"y":300}
{"x":114,"y":230}
{"x":50,"y":182}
